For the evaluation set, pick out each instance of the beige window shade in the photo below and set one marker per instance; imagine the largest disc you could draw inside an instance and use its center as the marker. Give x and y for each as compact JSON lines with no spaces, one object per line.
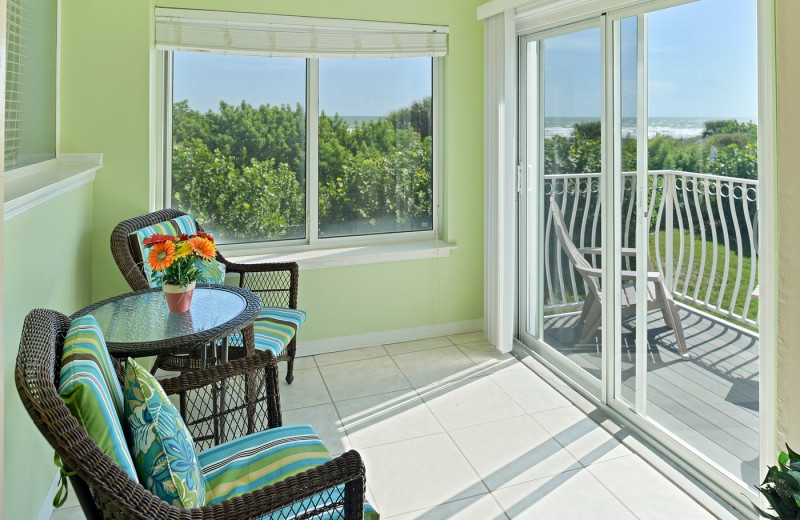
{"x":267,"y":35}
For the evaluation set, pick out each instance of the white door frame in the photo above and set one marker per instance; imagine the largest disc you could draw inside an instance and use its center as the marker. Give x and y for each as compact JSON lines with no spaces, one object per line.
{"x":676,"y":450}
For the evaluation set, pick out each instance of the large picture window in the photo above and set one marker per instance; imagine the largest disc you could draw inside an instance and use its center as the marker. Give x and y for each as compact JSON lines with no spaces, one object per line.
{"x":301,"y":147}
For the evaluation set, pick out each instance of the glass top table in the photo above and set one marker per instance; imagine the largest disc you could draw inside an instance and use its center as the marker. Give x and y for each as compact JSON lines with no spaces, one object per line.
{"x":140,"y":324}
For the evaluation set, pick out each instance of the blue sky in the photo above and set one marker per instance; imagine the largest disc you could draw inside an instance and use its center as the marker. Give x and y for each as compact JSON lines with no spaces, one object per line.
{"x":702,"y":59}
{"x":367,"y":87}
{"x":702,"y":63}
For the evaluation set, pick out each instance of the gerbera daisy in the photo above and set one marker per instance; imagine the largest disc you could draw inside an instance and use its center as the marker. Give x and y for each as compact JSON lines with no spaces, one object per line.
{"x":203,"y":247}
{"x":157,"y":239}
{"x":182,"y":249}
{"x":205,"y":235}
{"x":161,"y":255}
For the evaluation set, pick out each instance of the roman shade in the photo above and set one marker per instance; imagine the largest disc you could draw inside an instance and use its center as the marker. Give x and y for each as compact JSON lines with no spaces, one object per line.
{"x":271,"y":35}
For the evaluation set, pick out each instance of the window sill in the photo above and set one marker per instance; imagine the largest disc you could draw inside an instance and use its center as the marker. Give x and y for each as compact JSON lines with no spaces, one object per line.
{"x":355,"y":255}
{"x":31,"y":186}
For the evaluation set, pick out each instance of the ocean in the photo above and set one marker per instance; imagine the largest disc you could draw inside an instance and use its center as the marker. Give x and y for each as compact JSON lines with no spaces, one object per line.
{"x":679,"y":127}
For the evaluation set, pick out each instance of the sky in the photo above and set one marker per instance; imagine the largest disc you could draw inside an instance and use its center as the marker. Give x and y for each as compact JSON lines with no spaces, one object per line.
{"x":349,"y":87}
{"x":701,"y":59}
{"x":702,"y":63}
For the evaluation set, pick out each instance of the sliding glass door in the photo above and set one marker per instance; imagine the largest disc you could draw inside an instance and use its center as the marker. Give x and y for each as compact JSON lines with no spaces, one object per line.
{"x":638,"y":222}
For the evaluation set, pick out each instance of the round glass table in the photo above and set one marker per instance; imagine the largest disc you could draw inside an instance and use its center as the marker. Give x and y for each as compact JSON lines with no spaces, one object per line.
{"x":139,"y":324}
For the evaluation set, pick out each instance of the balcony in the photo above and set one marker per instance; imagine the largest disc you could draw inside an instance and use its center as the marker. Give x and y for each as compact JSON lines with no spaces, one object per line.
{"x":709,"y":264}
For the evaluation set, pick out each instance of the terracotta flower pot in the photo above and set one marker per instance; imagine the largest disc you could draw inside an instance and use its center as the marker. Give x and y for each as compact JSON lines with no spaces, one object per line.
{"x":179,"y":299}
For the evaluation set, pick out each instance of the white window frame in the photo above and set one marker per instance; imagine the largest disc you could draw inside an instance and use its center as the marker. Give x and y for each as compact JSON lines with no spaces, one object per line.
{"x":162,"y":192}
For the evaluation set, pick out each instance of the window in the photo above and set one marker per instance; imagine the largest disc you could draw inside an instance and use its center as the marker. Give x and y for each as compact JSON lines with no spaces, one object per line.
{"x":30,"y":110}
{"x":316,"y":138}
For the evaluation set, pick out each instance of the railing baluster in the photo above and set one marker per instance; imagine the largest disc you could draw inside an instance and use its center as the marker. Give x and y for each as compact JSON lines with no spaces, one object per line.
{"x":575,"y":206}
{"x":739,"y":251}
{"x":715,"y":245}
{"x":629,"y":214}
{"x":676,"y":206}
{"x":701,"y":222}
{"x":726,"y":241}
{"x":559,"y":265}
{"x":753,"y":255}
{"x":690,"y":224}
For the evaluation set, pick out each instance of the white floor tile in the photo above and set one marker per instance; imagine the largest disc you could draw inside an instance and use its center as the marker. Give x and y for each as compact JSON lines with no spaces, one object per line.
{"x":581,"y":436}
{"x":381,"y":419}
{"x":530,"y":391}
{"x":512,"y":451}
{"x":325,"y":422}
{"x":470,"y":402}
{"x":363,"y":378}
{"x":419,"y":473}
{"x":483,"y":507}
{"x":68,"y":513}
{"x":469,"y":337}
{"x":575,"y":494}
{"x":306,"y":390}
{"x":486,"y":355}
{"x":349,"y":355}
{"x":435,"y":366}
{"x":645,"y":491}
{"x":414,"y":346}
{"x":302,"y":363}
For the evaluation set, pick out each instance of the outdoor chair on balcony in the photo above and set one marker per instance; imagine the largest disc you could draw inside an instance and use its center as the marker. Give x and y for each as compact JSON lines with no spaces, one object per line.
{"x":228,"y":460}
{"x":658,"y":297}
{"x":275,"y":283}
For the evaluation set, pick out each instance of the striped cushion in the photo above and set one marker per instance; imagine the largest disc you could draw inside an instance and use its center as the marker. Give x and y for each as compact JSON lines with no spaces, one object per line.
{"x":162,"y":447}
{"x":213,"y":271}
{"x":264,"y":458}
{"x":90,"y":389}
{"x":275,"y":327}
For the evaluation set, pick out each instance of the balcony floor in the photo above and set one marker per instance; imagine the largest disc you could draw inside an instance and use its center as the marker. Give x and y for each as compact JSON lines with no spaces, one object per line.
{"x":709,"y":401}
{"x":449,"y":428}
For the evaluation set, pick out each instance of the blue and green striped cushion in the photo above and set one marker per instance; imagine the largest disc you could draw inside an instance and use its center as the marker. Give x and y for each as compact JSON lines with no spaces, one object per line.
{"x":264,"y":458}
{"x":91,"y":391}
{"x":275,"y":327}
{"x":184,"y":225}
{"x":162,"y":447}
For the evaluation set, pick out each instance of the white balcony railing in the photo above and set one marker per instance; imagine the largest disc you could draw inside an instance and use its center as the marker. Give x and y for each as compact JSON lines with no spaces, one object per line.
{"x":708,"y":260}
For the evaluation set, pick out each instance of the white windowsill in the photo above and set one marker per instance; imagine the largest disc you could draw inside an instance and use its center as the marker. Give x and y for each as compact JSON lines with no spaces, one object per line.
{"x":29,"y":187}
{"x":354,"y":255}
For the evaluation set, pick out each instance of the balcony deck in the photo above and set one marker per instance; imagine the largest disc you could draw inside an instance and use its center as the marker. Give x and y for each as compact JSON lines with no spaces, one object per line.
{"x":709,"y":401}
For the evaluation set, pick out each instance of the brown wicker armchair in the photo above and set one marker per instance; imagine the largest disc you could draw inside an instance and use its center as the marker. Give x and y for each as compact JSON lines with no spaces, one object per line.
{"x":105,"y":490}
{"x":275,"y":284}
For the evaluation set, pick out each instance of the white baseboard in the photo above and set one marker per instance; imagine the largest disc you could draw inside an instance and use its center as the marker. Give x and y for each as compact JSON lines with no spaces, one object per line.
{"x":372,"y":339}
{"x":47,"y":508}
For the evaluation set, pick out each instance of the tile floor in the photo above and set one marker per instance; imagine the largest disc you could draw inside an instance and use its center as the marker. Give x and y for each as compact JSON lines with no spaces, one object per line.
{"x":451,"y":429}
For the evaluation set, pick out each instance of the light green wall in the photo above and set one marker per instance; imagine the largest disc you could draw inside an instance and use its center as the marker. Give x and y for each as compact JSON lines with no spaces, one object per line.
{"x":106,"y":88}
{"x":45,"y":267}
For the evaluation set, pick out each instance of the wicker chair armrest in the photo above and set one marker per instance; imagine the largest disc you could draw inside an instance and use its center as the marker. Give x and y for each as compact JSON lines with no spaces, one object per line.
{"x":346,"y":469}
{"x":262,"y":362}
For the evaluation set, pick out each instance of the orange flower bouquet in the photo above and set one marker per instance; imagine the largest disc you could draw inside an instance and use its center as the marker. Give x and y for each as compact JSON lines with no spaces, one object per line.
{"x":174,"y":261}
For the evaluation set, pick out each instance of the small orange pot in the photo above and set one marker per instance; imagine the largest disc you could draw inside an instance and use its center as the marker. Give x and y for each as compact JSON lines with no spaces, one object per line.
{"x":179,"y":299}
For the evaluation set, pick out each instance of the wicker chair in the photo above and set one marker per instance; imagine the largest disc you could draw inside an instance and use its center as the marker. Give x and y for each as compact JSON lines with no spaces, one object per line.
{"x":105,"y":490}
{"x":275,"y":283}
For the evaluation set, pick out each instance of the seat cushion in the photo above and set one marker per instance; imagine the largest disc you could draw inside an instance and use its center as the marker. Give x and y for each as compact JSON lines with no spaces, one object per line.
{"x":90,"y":389}
{"x":184,"y":225}
{"x":275,"y":327}
{"x":161,"y":445}
{"x":264,"y":458}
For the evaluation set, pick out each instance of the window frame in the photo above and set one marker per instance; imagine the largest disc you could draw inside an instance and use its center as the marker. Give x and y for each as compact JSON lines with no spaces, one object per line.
{"x":161,"y":180}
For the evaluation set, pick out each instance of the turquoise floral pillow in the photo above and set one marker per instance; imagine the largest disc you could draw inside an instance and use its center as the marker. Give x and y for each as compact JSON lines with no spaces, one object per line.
{"x":161,"y":446}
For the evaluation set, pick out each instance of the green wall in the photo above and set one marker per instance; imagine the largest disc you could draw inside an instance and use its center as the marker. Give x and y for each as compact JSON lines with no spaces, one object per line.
{"x":107,"y":106}
{"x":43,"y":267}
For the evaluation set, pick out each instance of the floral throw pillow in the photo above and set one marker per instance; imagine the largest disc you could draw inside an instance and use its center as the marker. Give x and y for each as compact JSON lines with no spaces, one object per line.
{"x":161,"y":446}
